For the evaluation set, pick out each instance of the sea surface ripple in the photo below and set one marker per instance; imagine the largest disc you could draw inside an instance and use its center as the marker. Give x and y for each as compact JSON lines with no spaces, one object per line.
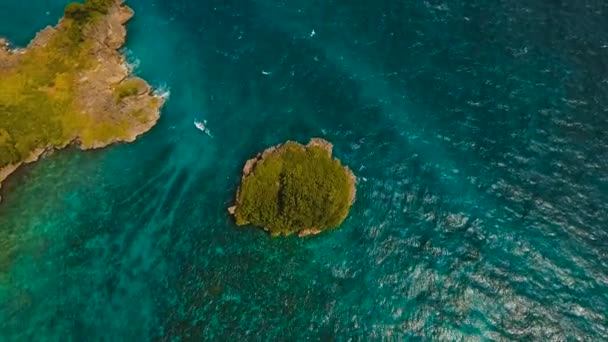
{"x":477,"y":130}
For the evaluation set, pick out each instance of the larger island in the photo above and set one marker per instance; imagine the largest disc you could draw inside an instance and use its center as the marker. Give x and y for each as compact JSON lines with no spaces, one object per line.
{"x":71,"y":85}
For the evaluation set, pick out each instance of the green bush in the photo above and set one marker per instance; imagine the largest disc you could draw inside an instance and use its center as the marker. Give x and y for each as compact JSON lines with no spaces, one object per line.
{"x":83,"y":12}
{"x":295,"y":188}
{"x":100,"y":6}
{"x":76,"y":11}
{"x":128,"y":87}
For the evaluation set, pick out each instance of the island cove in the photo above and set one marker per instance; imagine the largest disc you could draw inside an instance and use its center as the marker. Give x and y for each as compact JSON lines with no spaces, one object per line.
{"x":71,"y":85}
{"x":292,"y":188}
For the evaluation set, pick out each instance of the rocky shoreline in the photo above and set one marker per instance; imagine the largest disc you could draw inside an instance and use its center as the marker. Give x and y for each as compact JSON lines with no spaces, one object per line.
{"x":95,"y":87}
{"x":250,"y":165}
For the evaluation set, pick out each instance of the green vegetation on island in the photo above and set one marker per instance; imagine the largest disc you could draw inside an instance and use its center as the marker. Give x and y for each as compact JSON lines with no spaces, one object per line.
{"x":70,"y":85}
{"x":83,"y":12}
{"x":291,"y":188}
{"x":129,"y":87}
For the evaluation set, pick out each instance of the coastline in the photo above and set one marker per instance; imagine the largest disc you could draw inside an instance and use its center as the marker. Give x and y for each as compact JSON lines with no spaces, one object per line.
{"x":96,"y":86}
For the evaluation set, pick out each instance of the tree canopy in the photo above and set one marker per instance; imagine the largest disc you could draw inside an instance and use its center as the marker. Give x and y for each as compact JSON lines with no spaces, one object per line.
{"x":294,"y":188}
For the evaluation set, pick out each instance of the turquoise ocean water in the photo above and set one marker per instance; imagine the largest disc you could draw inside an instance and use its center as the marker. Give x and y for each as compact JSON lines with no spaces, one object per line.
{"x":477,"y":129}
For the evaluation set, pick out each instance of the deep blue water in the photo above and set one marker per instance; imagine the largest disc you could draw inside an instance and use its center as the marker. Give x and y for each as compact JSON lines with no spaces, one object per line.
{"x":477,"y":130}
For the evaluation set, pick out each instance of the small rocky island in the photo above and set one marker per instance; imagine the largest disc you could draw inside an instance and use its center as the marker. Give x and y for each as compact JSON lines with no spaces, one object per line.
{"x":70,"y":85}
{"x":293,"y":188}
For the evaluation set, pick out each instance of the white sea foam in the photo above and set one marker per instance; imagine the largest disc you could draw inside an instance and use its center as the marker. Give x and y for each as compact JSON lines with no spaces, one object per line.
{"x":162,"y":91}
{"x":6,"y":45}
{"x":132,"y":62}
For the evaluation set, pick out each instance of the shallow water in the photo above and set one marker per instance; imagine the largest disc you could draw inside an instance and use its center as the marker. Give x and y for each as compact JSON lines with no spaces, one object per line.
{"x":477,"y":129}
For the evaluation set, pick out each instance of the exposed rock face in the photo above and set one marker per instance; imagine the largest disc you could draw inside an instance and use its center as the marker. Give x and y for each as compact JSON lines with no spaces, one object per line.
{"x":95,"y":88}
{"x":324,"y":144}
{"x":308,"y":232}
{"x":232,"y":209}
{"x":5,"y":55}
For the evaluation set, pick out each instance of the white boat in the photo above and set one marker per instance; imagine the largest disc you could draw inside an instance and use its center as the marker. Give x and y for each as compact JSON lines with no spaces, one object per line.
{"x":201,"y":125}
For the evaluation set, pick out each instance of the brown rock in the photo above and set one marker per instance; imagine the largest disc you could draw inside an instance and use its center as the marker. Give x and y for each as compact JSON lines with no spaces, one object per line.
{"x":324,"y":144}
{"x":308,"y":232}
{"x":249,"y":165}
